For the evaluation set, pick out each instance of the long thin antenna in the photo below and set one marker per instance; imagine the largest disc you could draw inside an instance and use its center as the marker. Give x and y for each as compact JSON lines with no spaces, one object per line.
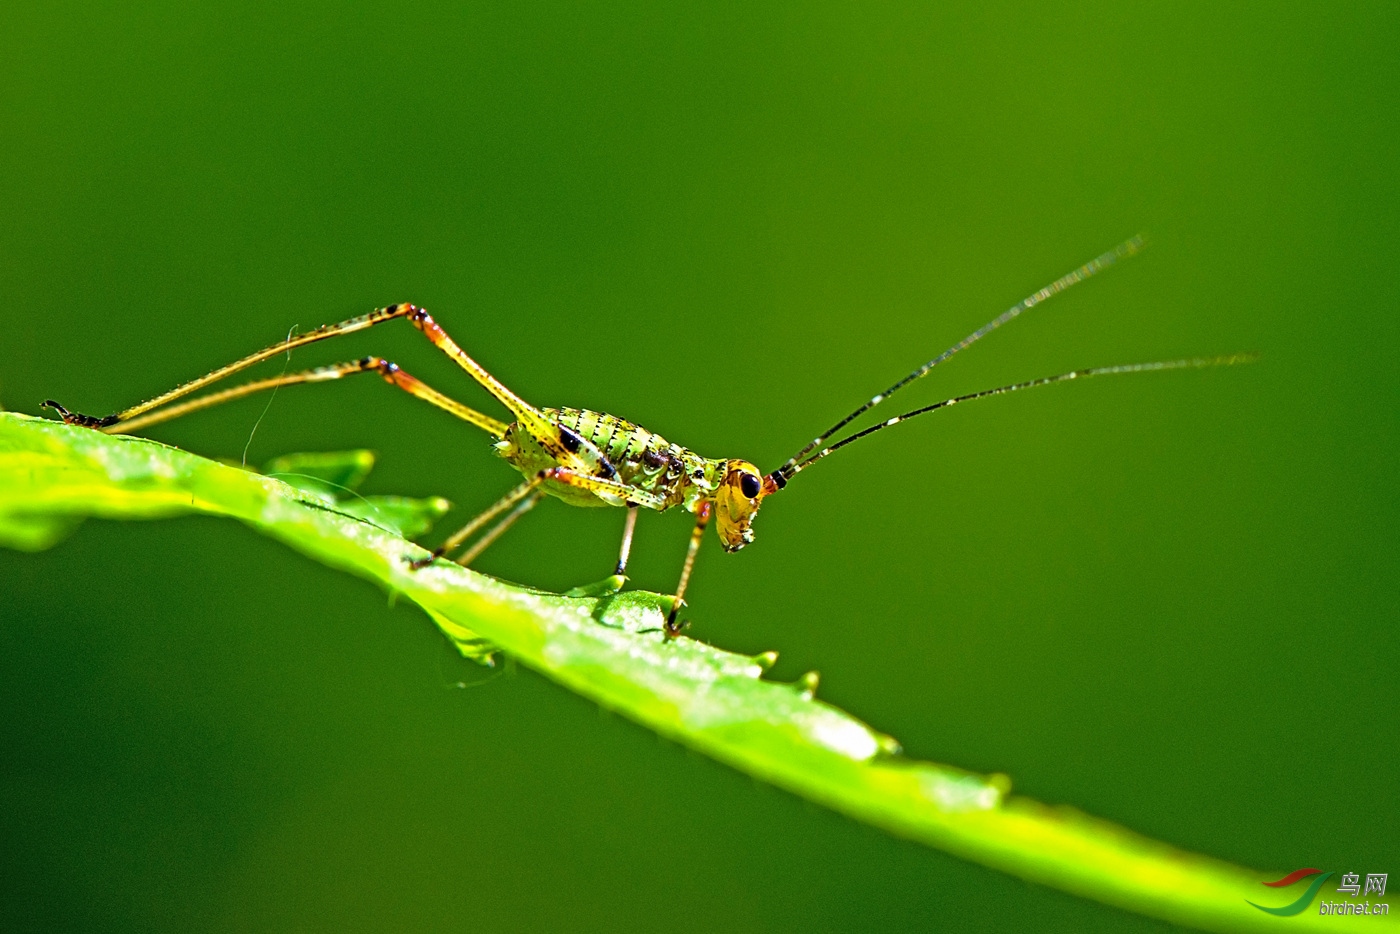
{"x":1096,"y":265}
{"x":1191,"y":363}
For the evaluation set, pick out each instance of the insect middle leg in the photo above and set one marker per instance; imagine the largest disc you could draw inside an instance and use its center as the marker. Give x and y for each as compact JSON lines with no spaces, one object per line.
{"x":499,"y":529}
{"x":626,"y":549}
{"x":471,"y":528}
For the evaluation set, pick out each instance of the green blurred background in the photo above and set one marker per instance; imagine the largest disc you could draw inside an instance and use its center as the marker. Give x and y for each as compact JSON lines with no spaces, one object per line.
{"x":1166,"y":600}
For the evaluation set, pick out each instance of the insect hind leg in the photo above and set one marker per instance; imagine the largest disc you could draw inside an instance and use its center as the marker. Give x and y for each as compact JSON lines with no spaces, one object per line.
{"x":392,"y":374}
{"x":325,"y":332}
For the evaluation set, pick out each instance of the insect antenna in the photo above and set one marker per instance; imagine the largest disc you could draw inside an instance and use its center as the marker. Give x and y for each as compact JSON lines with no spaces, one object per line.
{"x":1096,"y":265}
{"x":1192,"y":363}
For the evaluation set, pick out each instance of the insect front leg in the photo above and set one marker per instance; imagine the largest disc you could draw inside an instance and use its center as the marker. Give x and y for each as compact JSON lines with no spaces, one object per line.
{"x":702,"y":519}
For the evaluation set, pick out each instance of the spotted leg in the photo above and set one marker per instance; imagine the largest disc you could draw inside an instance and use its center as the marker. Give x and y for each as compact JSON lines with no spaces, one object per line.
{"x":348,"y":326}
{"x":702,"y":519}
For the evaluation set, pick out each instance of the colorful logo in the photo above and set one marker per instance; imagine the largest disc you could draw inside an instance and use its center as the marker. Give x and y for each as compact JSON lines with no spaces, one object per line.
{"x":1297,"y":907}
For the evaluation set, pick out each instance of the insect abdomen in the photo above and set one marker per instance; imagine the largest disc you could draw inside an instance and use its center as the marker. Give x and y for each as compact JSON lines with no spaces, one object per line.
{"x":618,"y":439}
{"x":642,"y":458}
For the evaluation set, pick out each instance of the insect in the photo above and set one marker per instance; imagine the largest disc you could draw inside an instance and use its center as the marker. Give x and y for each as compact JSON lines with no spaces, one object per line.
{"x":588,"y":458}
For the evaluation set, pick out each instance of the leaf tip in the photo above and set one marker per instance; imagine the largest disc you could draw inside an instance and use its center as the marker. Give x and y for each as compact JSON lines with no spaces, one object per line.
{"x":888,"y":745}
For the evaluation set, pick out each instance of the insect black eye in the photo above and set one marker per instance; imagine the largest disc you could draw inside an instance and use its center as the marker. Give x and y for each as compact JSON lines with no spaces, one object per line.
{"x":748,"y":485}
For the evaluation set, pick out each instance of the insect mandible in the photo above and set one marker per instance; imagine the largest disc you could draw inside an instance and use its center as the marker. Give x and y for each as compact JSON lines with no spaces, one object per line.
{"x":588,"y":458}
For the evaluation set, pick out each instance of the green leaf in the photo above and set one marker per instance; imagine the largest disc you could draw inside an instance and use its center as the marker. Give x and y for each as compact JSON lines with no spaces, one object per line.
{"x":25,"y":532}
{"x":609,"y":648}
{"x":403,"y":515}
{"x":335,"y":471}
{"x":332,"y":477}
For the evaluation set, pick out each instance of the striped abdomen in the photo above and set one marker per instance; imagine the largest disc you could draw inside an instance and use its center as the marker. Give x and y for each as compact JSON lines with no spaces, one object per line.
{"x":642,"y":458}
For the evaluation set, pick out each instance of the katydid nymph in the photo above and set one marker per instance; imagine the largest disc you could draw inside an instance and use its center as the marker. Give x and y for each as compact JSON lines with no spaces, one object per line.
{"x":588,"y":458}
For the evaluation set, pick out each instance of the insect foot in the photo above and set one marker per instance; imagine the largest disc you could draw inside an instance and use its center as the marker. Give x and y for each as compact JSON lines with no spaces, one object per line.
{"x":418,"y":564}
{"x":671,"y":628}
{"x":78,"y":418}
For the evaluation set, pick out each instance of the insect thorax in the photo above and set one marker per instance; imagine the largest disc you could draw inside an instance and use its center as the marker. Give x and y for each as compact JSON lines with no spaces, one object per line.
{"x":643,"y":460}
